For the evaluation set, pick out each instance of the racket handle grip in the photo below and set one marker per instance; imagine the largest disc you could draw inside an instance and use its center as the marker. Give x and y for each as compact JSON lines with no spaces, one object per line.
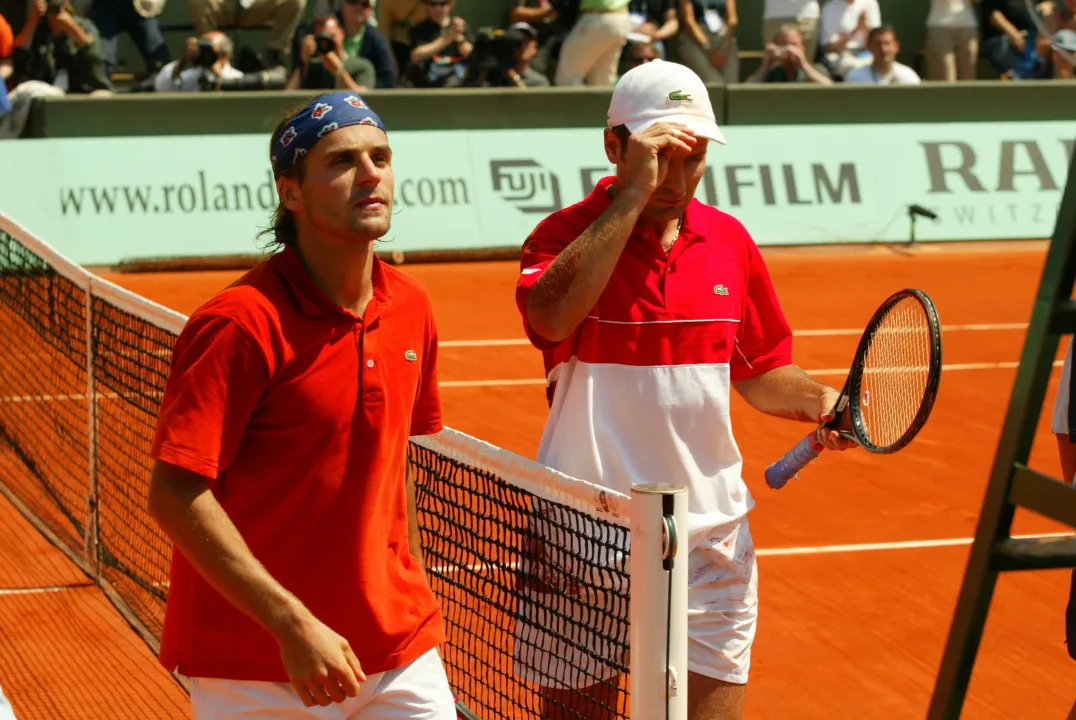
{"x":794,"y":460}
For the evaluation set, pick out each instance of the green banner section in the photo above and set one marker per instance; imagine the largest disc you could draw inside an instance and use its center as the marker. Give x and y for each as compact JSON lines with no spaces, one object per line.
{"x":103,"y":200}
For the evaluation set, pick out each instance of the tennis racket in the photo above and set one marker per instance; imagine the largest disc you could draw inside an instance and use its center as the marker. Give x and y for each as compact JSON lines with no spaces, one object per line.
{"x":890,"y":388}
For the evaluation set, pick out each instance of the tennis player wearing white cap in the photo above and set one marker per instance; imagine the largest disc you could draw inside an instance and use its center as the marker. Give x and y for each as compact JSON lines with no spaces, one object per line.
{"x":649,"y":306}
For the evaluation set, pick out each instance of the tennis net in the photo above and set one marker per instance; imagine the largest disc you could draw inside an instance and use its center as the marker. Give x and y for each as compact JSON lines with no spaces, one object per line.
{"x":531,"y":566}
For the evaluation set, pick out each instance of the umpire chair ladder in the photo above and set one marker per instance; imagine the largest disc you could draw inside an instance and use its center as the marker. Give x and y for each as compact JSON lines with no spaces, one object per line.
{"x":1012,"y":483}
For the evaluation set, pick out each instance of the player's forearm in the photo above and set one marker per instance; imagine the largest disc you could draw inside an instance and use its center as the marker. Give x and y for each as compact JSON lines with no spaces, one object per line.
{"x":570,"y":287}
{"x":786,"y":392}
{"x":190,"y":515}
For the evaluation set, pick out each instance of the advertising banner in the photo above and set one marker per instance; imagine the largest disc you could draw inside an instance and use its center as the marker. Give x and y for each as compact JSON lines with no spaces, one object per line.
{"x":103,"y":200}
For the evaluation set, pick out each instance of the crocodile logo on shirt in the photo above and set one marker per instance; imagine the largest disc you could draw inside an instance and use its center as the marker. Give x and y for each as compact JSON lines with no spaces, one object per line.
{"x":720,"y":290}
{"x":679,"y":96}
{"x":411,"y":355}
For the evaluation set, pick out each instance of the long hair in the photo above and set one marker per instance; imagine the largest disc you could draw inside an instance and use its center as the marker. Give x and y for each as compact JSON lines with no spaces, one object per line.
{"x":283,"y":230}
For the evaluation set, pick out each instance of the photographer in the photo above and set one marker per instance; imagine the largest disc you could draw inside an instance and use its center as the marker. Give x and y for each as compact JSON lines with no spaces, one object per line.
{"x":785,"y":60}
{"x":205,"y":60}
{"x":60,"y":49}
{"x":323,"y":64}
{"x":503,"y":59}
{"x":440,"y":47}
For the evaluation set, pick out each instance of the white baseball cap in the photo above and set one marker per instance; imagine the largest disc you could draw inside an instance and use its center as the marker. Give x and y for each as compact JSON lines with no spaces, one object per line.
{"x":662,"y":91}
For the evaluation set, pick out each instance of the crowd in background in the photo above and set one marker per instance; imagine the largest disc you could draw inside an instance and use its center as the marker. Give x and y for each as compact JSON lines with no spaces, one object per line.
{"x":69,"y":46}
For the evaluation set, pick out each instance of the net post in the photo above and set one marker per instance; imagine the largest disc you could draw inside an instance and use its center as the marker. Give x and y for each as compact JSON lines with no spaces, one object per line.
{"x":659,"y":563}
{"x":90,"y":548}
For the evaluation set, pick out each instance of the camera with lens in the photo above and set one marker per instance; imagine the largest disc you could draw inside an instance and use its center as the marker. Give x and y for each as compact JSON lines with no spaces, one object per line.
{"x":275,"y":79}
{"x":207,"y":54}
{"x":494,"y":54}
{"x":325,"y":42}
{"x":53,"y":7}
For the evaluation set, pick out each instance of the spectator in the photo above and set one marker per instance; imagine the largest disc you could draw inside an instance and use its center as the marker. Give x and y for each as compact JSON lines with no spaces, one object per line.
{"x":708,"y":39}
{"x":843,"y":29}
{"x":139,"y":20}
{"x":209,"y":15}
{"x":440,"y":47}
{"x":1059,"y":17}
{"x":803,"y":14}
{"x":61,"y":49}
{"x":551,"y":29}
{"x":884,"y":69}
{"x":1010,"y":41}
{"x":522,"y":75}
{"x":363,"y":40}
{"x":952,"y":40}
{"x":396,"y":18}
{"x":325,"y":65}
{"x":636,"y":54}
{"x":784,"y":60}
{"x":653,"y":21}
{"x":203,"y":61}
{"x":591,"y":52}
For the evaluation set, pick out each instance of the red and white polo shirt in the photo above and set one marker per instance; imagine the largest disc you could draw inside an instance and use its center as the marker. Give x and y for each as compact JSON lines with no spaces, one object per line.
{"x":640,"y":392}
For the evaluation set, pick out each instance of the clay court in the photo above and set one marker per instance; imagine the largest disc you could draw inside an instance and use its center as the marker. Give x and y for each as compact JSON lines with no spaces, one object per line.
{"x":861,"y":558}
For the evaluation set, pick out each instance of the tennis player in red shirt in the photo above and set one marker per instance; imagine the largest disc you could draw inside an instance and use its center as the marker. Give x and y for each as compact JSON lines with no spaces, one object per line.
{"x":650,"y":307}
{"x":297,"y":578}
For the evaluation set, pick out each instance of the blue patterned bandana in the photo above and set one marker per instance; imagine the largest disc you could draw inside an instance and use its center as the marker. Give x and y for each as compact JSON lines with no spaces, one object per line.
{"x":320,"y":117}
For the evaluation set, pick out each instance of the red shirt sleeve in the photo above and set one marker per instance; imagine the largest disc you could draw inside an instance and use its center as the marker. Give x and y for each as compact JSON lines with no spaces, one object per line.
{"x":7,"y":40}
{"x":764,"y":340}
{"x":539,"y":251}
{"x":217,"y":376}
{"x":426,"y":415}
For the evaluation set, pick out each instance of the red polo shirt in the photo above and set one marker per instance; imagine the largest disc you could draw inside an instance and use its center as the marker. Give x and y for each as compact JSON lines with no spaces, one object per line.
{"x":639,"y":393}
{"x":299,"y":413}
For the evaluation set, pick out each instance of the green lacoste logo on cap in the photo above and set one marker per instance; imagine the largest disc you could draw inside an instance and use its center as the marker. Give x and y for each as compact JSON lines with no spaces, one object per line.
{"x":720,"y":290}
{"x":679,"y":96}
{"x":411,"y":355}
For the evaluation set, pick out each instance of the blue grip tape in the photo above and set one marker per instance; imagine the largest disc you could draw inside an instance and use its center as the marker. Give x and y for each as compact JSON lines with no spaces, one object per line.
{"x":794,"y":460}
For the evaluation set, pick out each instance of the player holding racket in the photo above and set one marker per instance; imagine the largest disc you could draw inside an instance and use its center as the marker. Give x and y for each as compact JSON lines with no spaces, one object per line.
{"x":648,"y":307}
{"x":297,"y":578}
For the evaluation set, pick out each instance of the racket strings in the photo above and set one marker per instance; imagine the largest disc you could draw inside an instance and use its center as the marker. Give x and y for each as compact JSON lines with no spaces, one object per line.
{"x":896,"y":372}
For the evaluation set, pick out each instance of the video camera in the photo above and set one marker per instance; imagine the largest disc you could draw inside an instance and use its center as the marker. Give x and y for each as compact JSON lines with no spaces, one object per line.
{"x":494,"y":54}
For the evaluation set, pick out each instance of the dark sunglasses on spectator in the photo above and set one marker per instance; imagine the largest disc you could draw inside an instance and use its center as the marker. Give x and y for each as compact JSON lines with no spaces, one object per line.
{"x":360,"y":3}
{"x":438,"y":3}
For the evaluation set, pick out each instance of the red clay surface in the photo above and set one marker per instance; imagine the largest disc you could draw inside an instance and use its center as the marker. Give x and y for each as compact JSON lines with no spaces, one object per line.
{"x":853,"y":635}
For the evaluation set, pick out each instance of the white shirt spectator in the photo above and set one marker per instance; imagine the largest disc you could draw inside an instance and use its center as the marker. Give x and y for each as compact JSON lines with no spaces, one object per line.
{"x":842,"y":16}
{"x":898,"y":75}
{"x":799,"y":9}
{"x":189,"y":79}
{"x":952,"y":13}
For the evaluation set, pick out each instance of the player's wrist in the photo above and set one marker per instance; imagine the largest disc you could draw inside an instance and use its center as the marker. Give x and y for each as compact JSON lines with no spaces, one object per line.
{"x":289,"y":619}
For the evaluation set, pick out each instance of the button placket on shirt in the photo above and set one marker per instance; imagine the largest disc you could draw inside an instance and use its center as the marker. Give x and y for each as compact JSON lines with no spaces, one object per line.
{"x":370,"y":361}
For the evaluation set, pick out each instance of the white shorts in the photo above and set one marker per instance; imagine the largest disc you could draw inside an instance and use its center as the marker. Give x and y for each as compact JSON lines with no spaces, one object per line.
{"x":562,"y":642}
{"x":417,"y":691}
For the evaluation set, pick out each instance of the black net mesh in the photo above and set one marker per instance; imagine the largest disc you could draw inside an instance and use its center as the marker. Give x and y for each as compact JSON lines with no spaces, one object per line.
{"x":131,"y":359}
{"x":44,"y":412}
{"x":535,"y":595}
